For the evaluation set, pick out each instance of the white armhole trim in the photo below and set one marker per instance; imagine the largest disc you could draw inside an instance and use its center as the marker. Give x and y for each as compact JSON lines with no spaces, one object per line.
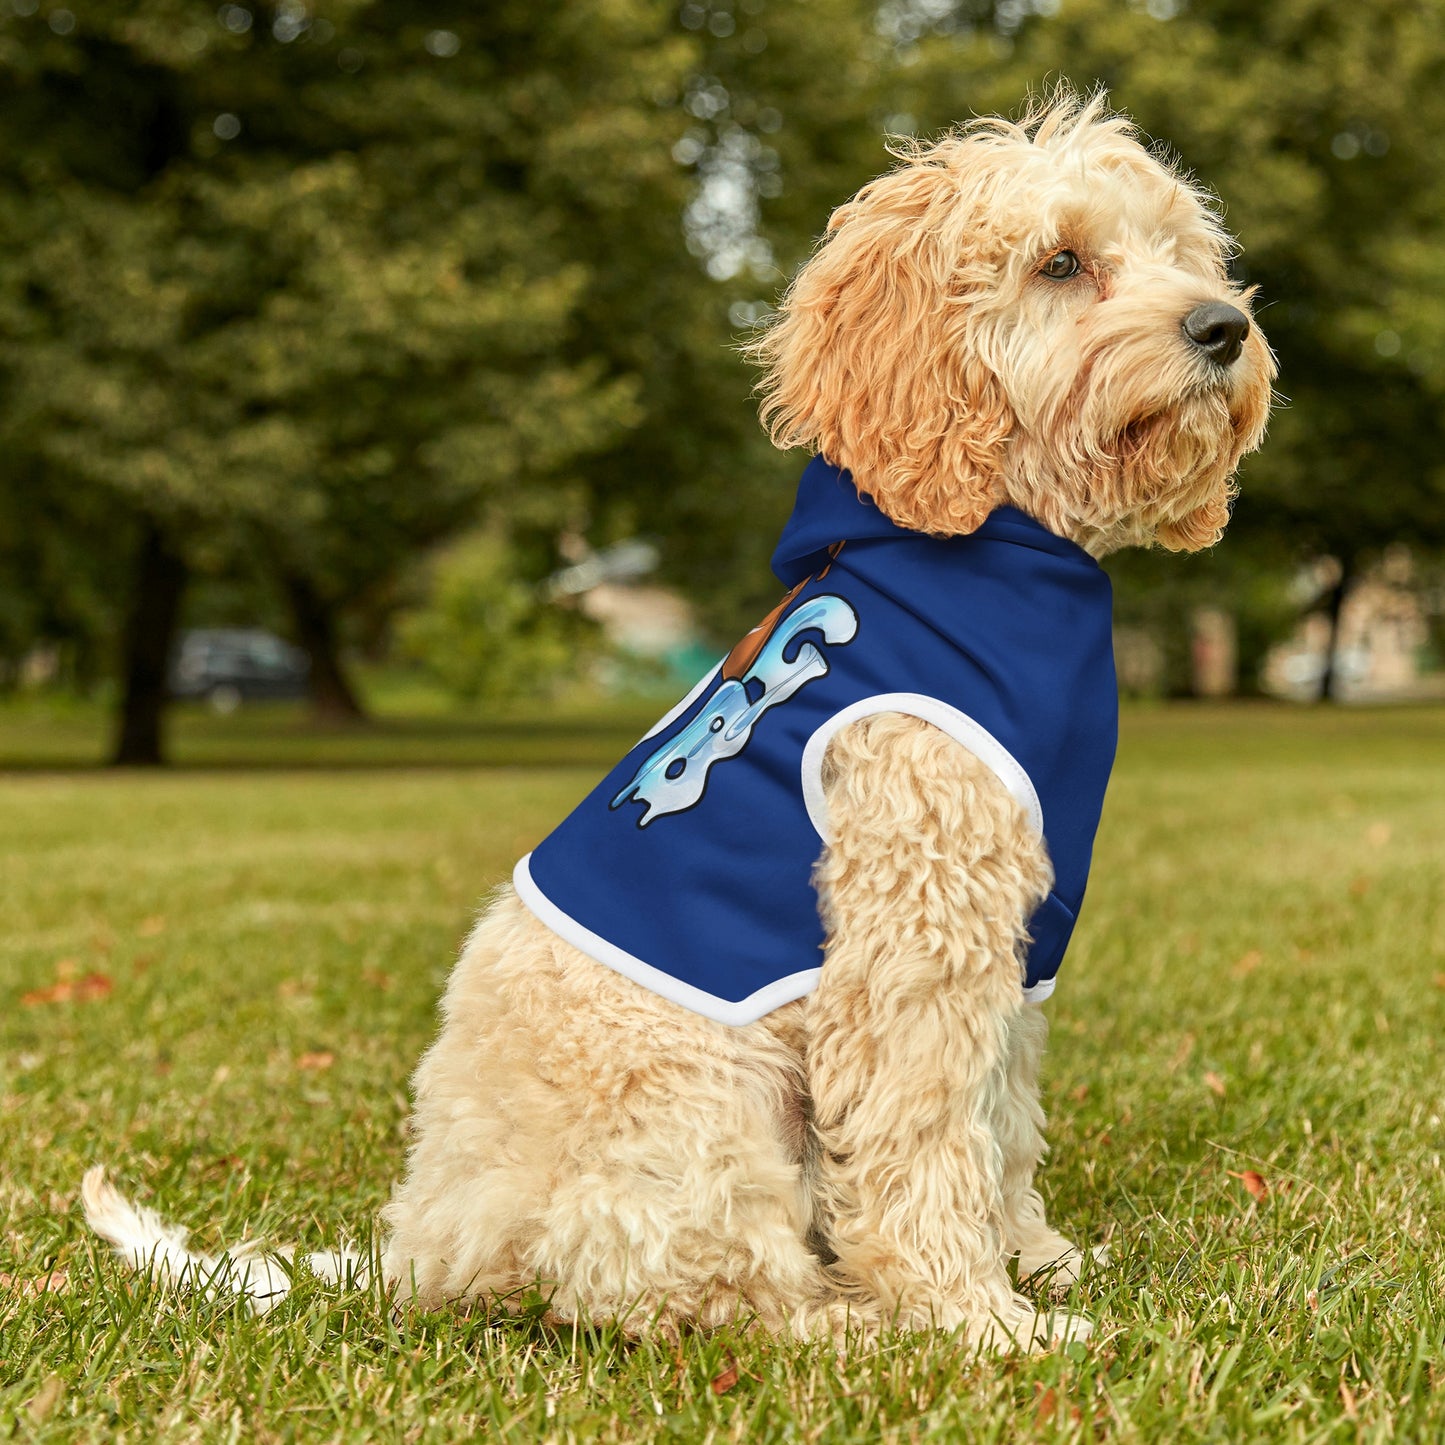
{"x":724,"y":1011}
{"x":962,"y":729}
{"x":958,"y":725}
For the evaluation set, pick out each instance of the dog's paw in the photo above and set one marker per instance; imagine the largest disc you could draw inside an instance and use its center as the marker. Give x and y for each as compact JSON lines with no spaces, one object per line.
{"x":1023,"y":1326}
{"x":1060,"y":1327}
{"x":1058,"y":1267}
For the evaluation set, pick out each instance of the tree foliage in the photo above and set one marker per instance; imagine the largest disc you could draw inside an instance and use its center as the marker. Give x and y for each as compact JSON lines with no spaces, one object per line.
{"x":310,"y":289}
{"x":300,"y":290}
{"x":486,"y":633}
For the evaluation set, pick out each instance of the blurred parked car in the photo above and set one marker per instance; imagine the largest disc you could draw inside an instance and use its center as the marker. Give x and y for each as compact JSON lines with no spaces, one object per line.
{"x":230,"y":665}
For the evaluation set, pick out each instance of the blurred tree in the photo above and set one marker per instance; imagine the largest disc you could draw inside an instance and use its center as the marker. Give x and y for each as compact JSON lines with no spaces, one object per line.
{"x":302,"y":282}
{"x":781,"y":113}
{"x":324,"y":284}
{"x":59,"y":574}
{"x":318,"y":285}
{"x":1162,"y":593}
{"x":486,"y":633}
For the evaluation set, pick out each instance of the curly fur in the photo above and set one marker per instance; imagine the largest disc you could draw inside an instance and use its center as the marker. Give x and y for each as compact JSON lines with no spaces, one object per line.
{"x":866,"y":1156}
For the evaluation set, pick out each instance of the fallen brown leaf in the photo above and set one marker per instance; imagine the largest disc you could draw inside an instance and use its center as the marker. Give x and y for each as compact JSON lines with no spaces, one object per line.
{"x":1080,"y":1094}
{"x":377,"y":978}
{"x":320,"y":1059}
{"x":1440,"y":980}
{"x":1359,"y":886}
{"x":56,"y":993}
{"x":1181,"y":1054}
{"x":56,"y":1282}
{"x":724,"y":1382}
{"x":1248,"y":963}
{"x":45,"y":1399}
{"x":82,"y":990}
{"x":1046,"y":1407}
{"x":1214,"y":1083}
{"x":1254,"y":1183}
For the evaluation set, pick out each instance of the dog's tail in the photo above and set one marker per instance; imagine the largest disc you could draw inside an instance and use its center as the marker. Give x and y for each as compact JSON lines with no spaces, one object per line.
{"x":147,"y":1243}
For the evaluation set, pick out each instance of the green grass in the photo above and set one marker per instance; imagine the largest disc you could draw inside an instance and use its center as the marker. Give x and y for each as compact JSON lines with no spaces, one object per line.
{"x":409,"y":729}
{"x":1256,"y":985}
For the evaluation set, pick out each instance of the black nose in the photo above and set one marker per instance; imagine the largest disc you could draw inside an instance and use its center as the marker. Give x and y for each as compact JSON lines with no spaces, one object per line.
{"x":1218,"y":331}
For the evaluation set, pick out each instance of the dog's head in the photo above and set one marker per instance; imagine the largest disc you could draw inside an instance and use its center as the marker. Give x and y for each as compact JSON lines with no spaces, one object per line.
{"x":1035,"y":313}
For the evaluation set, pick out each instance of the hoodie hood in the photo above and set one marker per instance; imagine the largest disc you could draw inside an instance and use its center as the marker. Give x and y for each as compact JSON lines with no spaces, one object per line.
{"x":830,"y":509}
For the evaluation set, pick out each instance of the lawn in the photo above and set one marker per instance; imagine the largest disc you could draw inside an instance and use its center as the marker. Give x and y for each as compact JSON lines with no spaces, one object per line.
{"x":217,"y":979}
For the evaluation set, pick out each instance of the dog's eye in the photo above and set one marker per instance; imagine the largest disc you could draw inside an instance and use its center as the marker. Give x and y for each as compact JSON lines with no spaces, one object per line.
{"x":1060,"y":266}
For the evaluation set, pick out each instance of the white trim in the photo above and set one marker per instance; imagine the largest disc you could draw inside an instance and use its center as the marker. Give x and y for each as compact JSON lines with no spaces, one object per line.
{"x":1040,"y":991}
{"x":673,"y":713}
{"x":721,"y":1010}
{"x":958,"y":725}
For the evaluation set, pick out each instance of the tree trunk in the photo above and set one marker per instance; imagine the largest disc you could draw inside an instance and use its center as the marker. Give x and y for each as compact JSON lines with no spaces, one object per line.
{"x":150,"y":631}
{"x":333,"y":699}
{"x":1329,"y":680}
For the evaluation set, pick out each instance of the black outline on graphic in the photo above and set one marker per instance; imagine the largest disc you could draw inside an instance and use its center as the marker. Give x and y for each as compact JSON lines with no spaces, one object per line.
{"x":796,"y":645}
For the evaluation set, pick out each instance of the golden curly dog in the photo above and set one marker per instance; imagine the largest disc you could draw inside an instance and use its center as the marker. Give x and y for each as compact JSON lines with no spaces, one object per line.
{"x":1035,"y":314}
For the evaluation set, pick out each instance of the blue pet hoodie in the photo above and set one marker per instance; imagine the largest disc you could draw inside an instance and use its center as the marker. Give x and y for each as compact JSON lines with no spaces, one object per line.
{"x":689,"y":867}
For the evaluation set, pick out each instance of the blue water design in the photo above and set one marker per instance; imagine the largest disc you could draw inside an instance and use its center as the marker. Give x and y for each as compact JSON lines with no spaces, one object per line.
{"x":674,"y":778}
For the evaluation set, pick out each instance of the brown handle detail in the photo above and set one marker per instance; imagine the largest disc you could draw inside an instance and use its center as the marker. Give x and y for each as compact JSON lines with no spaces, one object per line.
{"x":742,"y":657}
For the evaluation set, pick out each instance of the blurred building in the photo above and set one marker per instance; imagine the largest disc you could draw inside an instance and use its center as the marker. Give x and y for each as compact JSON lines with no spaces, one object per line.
{"x":652,"y":631}
{"x":1382,"y":650}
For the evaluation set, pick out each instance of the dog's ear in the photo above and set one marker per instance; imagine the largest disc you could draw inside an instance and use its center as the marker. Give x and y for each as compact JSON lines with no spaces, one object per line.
{"x":874,"y":358}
